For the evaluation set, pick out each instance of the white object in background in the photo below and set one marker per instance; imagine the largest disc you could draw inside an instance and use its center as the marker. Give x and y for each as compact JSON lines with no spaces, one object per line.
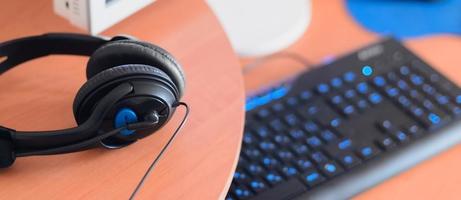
{"x":260,"y":27}
{"x":97,"y":15}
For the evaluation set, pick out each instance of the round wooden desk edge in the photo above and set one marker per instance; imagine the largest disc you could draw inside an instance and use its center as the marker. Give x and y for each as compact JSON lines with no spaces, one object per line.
{"x":199,"y":163}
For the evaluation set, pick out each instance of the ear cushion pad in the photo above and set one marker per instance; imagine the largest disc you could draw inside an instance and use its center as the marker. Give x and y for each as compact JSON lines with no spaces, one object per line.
{"x":111,"y":75}
{"x":121,"y":52}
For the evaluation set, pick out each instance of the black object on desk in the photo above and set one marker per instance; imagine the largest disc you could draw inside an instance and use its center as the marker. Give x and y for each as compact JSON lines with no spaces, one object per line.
{"x":342,"y":128}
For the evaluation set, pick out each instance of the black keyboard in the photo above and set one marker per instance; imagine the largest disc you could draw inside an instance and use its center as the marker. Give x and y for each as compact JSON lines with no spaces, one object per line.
{"x":337,"y":130}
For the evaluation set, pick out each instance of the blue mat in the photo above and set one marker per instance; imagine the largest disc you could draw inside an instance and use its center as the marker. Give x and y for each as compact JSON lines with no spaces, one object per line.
{"x":408,"y":18}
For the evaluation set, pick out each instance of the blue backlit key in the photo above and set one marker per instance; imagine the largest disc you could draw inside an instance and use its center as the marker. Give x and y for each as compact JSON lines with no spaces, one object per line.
{"x":313,"y":178}
{"x":304,"y":164}
{"x":362,"y":88}
{"x":404,"y":70}
{"x":319,"y":157}
{"x":367,"y":152}
{"x":323,"y":88}
{"x":297,"y":134}
{"x":241,"y":192}
{"x":311,"y":127}
{"x":349,"y":77}
{"x":282,"y":139}
{"x":314,"y":141}
{"x":257,"y":185}
{"x":289,"y":171}
{"x":267,"y":146}
{"x":401,"y":136}
{"x":375,"y":98}
{"x":348,"y":160}
{"x":336,"y":82}
{"x":300,"y":149}
{"x":386,"y":143}
{"x":328,"y":135}
{"x":269,"y":162}
{"x":379,"y":81}
{"x":285,"y":155}
{"x":331,"y":169}
{"x":416,"y":79}
{"x":403,"y":85}
{"x":241,"y":176}
{"x":273,"y":178}
{"x":345,"y":144}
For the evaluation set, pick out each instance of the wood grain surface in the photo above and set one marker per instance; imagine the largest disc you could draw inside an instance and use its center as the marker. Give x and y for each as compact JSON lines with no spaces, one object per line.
{"x":334,"y":33}
{"x":39,"y":95}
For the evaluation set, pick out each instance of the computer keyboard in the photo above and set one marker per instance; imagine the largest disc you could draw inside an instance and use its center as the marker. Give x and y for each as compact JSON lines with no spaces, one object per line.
{"x":341,"y":128}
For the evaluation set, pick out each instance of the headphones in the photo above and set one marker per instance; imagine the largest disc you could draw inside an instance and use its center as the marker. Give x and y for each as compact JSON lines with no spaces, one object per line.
{"x":132,"y":91}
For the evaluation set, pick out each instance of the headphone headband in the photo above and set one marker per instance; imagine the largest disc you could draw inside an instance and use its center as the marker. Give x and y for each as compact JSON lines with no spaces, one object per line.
{"x":24,"y":49}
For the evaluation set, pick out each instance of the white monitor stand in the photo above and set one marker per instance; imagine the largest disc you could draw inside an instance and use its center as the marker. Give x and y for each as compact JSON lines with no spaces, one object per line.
{"x":261,"y":27}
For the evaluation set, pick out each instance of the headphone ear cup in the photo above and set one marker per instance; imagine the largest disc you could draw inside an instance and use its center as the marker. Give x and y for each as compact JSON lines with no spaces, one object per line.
{"x":122,"y":52}
{"x":102,"y":83}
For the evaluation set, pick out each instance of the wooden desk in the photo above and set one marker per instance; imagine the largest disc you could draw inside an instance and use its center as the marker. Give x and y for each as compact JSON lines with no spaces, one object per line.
{"x":332,"y":33}
{"x":39,"y":95}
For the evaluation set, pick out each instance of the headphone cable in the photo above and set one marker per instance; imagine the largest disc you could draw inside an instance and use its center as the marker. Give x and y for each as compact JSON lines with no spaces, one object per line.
{"x":155,"y":161}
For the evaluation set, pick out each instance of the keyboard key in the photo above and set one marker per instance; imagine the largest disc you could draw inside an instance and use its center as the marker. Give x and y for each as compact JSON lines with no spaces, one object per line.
{"x":285,"y":155}
{"x":323,"y":88}
{"x":300,"y":149}
{"x":349,"y":160}
{"x":267,"y":146}
{"x":257,"y":185}
{"x":313,"y":178}
{"x":400,"y":136}
{"x":241,"y":176}
{"x":375,"y":98}
{"x":273,"y":178}
{"x":336,"y":82}
{"x":292,"y":101}
{"x":263,"y":113}
{"x":416,"y":79}
{"x":379,"y":81}
{"x":278,"y":107}
{"x":404,"y":70}
{"x":248,"y":138}
{"x":349,"y":77}
{"x":311,"y":127}
{"x":291,"y":119}
{"x":304,"y":164}
{"x":337,"y":99}
{"x":350,"y":94}
{"x":314,"y":141}
{"x":241,"y":192}
{"x":345,"y":144}
{"x":331,"y":169}
{"x":277,"y":125}
{"x":328,"y":136}
{"x":362,"y":88}
{"x":252,"y":153}
{"x":282,"y":140}
{"x":367,"y":152}
{"x":297,"y":134}
{"x":414,"y":130}
{"x":349,"y":110}
{"x":386,"y":143}
{"x":269,"y":162}
{"x":319,"y":157}
{"x":403,"y":85}
{"x":305,"y":95}
{"x":392,"y":91}
{"x":289,"y":171}
{"x":262,"y":132}
{"x":255,"y":169}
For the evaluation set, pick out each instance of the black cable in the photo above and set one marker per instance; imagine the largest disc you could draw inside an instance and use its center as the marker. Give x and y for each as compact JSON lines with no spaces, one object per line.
{"x":154,"y":162}
{"x":294,"y":56}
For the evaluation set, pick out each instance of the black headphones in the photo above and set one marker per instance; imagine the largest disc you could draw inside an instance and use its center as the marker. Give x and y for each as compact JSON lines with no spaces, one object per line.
{"x":132,"y":90}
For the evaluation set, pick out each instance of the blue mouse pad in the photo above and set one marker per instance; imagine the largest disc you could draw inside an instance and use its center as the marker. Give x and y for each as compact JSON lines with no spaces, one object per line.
{"x":408,"y":18}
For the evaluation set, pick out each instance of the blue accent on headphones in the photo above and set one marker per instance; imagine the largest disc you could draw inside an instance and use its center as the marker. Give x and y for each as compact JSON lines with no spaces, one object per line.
{"x":124,"y":117}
